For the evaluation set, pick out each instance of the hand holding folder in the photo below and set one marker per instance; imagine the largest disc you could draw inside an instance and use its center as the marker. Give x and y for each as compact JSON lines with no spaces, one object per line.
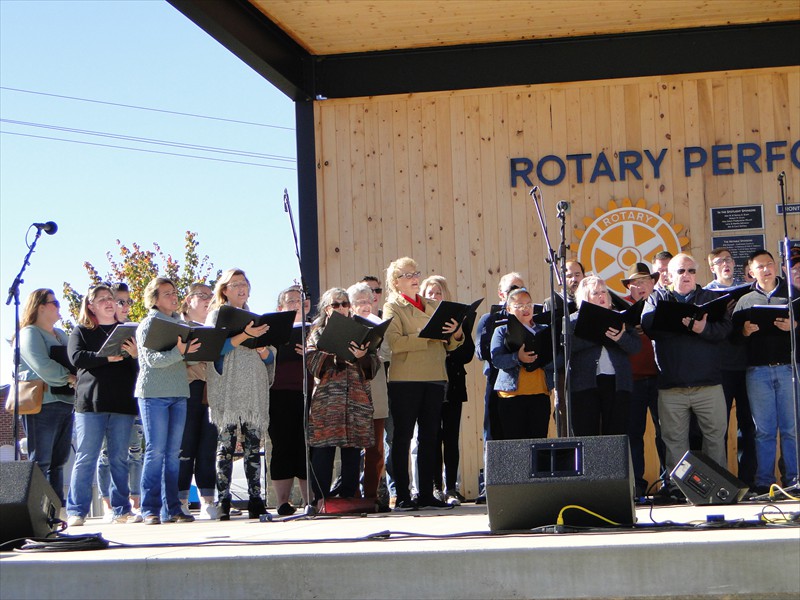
{"x":541,"y":342}
{"x":669,"y":316}
{"x":195,"y":342}
{"x":347,"y":338}
{"x":445,"y":313}
{"x":235,"y":320}
{"x":121,"y":334}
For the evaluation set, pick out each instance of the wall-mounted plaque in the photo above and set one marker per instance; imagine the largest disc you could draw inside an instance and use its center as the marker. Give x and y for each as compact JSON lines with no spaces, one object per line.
{"x":733,"y":218}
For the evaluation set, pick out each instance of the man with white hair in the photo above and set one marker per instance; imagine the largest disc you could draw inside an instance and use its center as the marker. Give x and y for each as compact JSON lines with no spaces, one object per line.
{"x":690,"y":378}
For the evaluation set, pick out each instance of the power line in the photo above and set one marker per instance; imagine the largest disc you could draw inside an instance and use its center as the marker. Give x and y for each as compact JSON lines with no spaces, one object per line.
{"x":148,"y":151}
{"x":151,"y":141}
{"x":169,"y":112}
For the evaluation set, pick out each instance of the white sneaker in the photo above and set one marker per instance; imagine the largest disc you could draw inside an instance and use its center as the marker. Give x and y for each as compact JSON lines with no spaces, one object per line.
{"x":208,"y":512}
{"x":128,"y":518}
{"x":76,"y":521}
{"x":185,"y":508}
{"x":108,"y":515}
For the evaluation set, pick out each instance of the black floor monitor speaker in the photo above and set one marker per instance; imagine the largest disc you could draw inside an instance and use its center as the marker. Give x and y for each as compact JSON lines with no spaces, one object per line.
{"x":528,"y":482}
{"x":28,"y":503}
{"x":703,"y":481}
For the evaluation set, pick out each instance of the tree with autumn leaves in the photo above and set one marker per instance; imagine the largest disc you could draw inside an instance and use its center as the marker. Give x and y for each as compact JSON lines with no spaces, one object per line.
{"x":136,"y":266}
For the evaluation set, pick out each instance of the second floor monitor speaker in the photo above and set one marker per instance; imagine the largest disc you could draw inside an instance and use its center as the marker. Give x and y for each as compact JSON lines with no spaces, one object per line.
{"x":529,"y":482}
{"x":28,"y":503}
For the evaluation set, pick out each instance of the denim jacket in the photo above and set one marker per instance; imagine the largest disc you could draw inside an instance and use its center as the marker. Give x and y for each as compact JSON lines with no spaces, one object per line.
{"x":507,"y":362}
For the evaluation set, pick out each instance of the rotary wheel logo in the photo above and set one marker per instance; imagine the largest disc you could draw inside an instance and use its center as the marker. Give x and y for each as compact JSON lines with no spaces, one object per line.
{"x":624,"y":234}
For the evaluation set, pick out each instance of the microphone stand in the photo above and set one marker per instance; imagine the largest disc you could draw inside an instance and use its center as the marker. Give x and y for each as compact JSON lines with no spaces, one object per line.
{"x":792,"y":320}
{"x":13,"y":294}
{"x":309,"y":508}
{"x":551,"y":262}
{"x":566,"y":338}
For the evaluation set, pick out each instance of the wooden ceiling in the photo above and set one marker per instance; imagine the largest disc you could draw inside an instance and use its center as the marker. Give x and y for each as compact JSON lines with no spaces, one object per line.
{"x":331,"y":27}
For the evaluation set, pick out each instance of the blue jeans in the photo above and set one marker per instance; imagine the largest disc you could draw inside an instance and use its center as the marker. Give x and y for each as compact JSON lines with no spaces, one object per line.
{"x":50,"y":441}
{"x":163,"y":420}
{"x":135,"y":456}
{"x":199,"y":446}
{"x":91,"y":428}
{"x":770,"y":393}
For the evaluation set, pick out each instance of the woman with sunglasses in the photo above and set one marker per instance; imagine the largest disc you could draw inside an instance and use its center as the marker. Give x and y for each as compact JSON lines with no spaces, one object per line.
{"x":199,"y":444}
{"x":49,"y":432}
{"x":417,"y":380}
{"x":162,"y":388}
{"x":340,"y":414}
{"x":104,"y":409}
{"x":122,"y":308}
{"x":238,"y":396}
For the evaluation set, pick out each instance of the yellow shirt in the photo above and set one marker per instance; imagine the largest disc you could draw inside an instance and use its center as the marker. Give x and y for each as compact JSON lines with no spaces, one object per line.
{"x":528,"y":384}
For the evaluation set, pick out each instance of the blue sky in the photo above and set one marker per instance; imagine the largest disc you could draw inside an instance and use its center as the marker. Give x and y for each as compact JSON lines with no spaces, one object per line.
{"x":146,"y":54}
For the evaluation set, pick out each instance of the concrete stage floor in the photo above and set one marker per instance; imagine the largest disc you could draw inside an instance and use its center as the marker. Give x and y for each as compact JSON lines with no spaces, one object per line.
{"x":427,"y":555}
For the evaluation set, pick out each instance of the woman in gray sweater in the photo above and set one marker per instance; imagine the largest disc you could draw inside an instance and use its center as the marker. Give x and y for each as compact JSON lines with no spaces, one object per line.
{"x":162,"y":388}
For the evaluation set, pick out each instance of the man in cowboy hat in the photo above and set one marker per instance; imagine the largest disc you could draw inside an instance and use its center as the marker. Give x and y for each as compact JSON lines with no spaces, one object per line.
{"x":639,"y":283}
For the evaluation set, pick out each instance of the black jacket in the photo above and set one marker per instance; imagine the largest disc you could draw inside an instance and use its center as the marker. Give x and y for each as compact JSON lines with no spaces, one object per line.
{"x":686,"y":359}
{"x":102,"y":386}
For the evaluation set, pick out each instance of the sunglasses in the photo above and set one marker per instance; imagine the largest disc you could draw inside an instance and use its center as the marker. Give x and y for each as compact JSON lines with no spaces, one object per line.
{"x":55,"y":303}
{"x":689,"y":271}
{"x":344,"y":304}
{"x":413,"y":275}
{"x":378,"y":290}
{"x":122,"y":302}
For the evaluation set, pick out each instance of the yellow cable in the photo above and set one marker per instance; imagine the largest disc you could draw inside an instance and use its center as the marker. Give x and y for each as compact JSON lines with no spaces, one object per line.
{"x":560,"y":520}
{"x":774,"y":487}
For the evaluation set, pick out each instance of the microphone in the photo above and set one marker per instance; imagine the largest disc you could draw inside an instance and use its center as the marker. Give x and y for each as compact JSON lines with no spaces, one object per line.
{"x":781,"y":176}
{"x":285,"y":200}
{"x":563,"y":206}
{"x":49,"y":228}
{"x":533,"y":191}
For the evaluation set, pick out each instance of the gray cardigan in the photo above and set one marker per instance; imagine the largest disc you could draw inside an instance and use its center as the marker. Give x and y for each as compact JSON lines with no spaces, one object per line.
{"x":161,"y":374}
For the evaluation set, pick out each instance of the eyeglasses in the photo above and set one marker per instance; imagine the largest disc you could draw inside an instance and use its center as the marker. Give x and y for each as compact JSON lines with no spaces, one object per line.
{"x":55,"y":303}
{"x":201,"y":295}
{"x":414,"y":275}
{"x":769,"y":265}
{"x":689,"y":271}
{"x":526,"y":306}
{"x":722,"y":261}
{"x":378,"y":290}
{"x":128,"y":302}
{"x":238,"y":284}
{"x":344,"y":304}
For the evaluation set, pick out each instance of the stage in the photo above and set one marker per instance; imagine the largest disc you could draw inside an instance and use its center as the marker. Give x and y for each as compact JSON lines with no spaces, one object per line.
{"x":426,"y":554}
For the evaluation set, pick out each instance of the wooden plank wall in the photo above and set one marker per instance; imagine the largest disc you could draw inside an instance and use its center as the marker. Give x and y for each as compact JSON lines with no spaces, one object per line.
{"x":427,"y":175}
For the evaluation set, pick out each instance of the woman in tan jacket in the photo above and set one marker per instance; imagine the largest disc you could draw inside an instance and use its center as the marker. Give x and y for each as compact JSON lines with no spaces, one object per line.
{"x":417,"y":380}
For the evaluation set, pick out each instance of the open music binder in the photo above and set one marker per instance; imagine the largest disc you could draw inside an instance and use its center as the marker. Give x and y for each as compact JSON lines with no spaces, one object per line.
{"x":341,"y":331}
{"x":445,"y":312}
{"x":163,"y":335}
{"x":234,"y":320}
{"x":593,"y":321}
{"x":764,"y":316}
{"x":113,"y":344}
{"x":668,"y":316}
